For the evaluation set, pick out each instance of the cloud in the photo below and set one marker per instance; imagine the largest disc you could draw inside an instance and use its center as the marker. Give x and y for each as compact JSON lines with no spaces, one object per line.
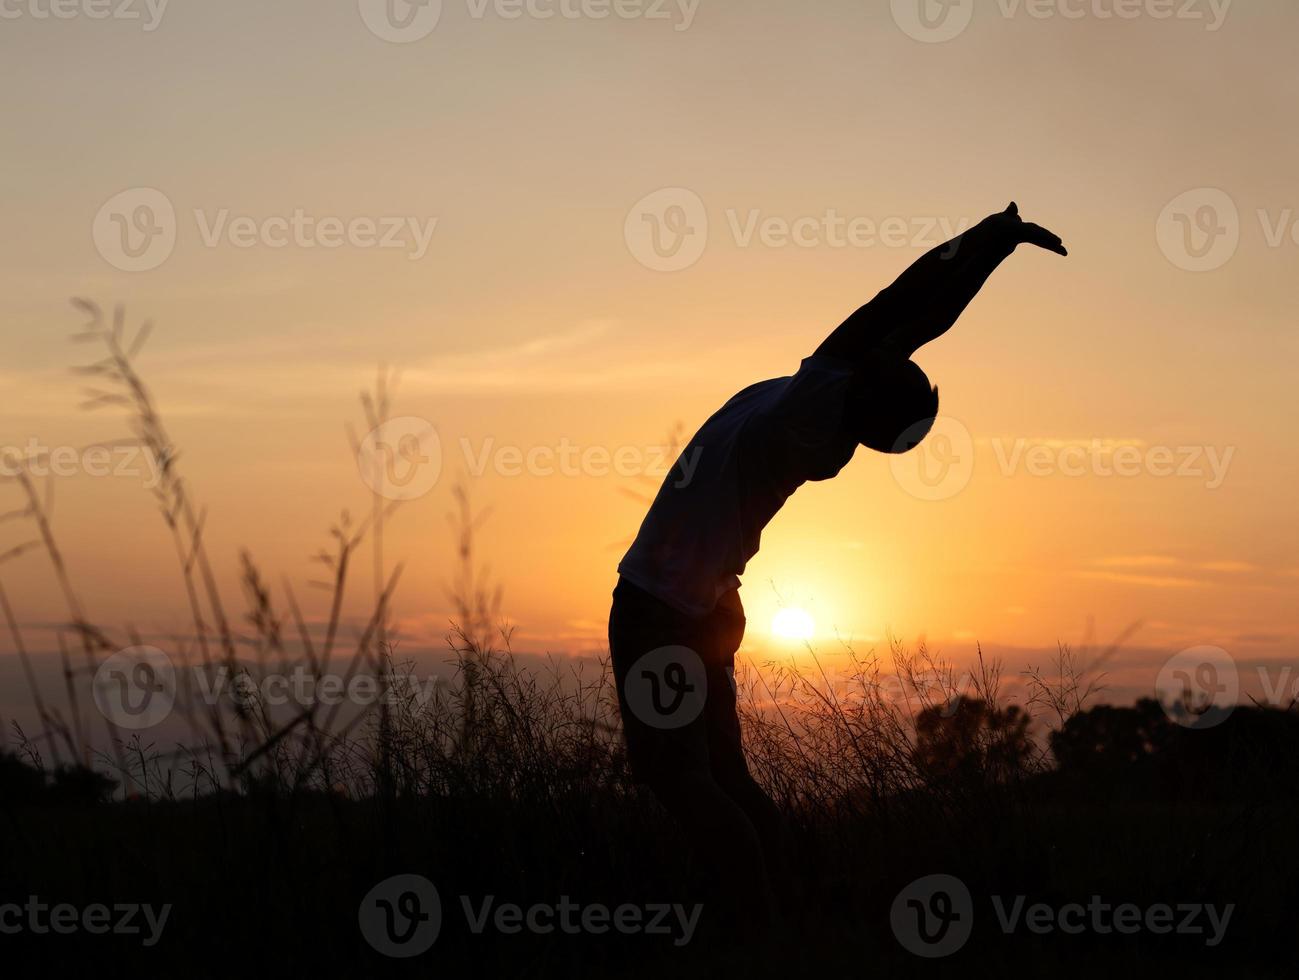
{"x":1136,"y":561}
{"x":202,"y":379}
{"x":1231,"y":567}
{"x":570,"y":360}
{"x":1267,"y":639}
{"x":1150,"y":581}
{"x":1167,"y":572}
{"x":1103,"y":444}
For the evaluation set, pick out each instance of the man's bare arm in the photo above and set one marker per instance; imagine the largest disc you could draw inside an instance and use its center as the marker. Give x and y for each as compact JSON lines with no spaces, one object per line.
{"x":930,"y":296}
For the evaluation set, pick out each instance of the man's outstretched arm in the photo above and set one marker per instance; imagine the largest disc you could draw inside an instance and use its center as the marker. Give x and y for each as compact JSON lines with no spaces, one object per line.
{"x":929,"y":297}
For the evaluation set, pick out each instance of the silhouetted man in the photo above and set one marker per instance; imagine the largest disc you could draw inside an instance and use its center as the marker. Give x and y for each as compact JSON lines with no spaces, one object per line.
{"x":677,"y":621}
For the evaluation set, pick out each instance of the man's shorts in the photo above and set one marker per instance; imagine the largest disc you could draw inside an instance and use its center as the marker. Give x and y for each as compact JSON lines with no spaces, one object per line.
{"x":675,"y":676}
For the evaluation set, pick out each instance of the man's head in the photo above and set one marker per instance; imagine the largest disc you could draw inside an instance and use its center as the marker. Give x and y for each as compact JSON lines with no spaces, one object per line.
{"x":891,"y":405}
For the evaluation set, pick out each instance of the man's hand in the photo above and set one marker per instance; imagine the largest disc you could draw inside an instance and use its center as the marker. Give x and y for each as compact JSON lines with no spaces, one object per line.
{"x":1021,"y":232}
{"x":927,"y":299}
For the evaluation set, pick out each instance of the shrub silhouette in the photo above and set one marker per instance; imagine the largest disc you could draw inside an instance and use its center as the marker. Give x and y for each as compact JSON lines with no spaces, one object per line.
{"x":973,"y":740}
{"x":21,"y":782}
{"x":1106,"y":738}
{"x":1246,"y":752}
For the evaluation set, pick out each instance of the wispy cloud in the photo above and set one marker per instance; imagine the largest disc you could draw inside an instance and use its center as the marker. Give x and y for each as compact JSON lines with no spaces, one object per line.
{"x":1137,"y":561}
{"x":195,"y":379}
{"x":1230,"y":567}
{"x":1166,"y":571}
{"x":1105,"y":444}
{"x":1150,"y":581}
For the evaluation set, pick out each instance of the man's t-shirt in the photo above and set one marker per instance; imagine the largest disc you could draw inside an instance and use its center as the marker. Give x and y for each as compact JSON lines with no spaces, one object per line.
{"x":732,"y":478}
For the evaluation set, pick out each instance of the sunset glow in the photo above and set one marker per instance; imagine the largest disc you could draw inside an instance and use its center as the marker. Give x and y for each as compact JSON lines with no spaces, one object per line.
{"x":793,"y":624}
{"x":542,"y":343}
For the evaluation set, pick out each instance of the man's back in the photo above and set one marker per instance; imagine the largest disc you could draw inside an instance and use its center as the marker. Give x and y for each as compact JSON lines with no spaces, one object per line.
{"x":731,"y":479}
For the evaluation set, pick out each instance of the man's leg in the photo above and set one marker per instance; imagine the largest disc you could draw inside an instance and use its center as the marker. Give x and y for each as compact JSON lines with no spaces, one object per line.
{"x":675,"y":764}
{"x":726,"y":750}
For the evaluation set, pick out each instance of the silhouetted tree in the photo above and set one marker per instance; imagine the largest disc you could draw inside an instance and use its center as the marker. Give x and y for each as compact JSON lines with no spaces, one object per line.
{"x":1108,"y":737}
{"x":973,"y":739}
{"x":1243,"y":753}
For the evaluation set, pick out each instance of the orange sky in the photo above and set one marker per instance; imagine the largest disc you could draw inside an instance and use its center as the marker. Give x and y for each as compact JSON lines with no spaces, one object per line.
{"x":528,"y":319}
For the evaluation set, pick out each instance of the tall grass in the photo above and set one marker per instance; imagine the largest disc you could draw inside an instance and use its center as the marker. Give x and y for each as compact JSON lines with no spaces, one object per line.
{"x":863,"y":737}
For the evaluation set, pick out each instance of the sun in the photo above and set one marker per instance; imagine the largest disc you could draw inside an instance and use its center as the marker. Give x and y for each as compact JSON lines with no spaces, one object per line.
{"x":793,"y":624}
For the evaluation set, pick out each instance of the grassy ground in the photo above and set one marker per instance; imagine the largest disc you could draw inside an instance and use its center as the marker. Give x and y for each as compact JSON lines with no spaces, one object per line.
{"x":264,"y":878}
